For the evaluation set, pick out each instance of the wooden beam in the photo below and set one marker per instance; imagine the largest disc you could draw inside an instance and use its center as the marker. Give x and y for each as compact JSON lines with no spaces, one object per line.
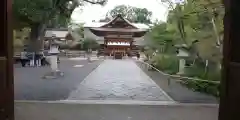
{"x":230,"y":84}
{"x":6,"y":64}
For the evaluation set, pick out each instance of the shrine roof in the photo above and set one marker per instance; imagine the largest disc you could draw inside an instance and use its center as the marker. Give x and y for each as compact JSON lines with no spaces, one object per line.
{"x":118,"y":29}
{"x":101,"y":31}
{"x":99,"y":24}
{"x":119,"y":24}
{"x":59,"y":33}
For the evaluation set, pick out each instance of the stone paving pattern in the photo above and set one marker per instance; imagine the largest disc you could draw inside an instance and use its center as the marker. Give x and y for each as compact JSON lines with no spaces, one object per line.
{"x":118,"y":80}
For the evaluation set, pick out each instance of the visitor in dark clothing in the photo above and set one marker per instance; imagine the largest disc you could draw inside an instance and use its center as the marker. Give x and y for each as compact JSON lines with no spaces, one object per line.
{"x":44,"y":60}
{"x":37,"y":59}
{"x":24,"y":58}
{"x":138,"y":55}
{"x":31,"y":57}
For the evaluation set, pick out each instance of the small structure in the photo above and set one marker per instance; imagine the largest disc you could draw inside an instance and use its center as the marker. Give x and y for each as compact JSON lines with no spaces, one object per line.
{"x":119,"y":37}
{"x":62,"y":35}
{"x":53,"y":52}
{"x":182,"y":54}
{"x":53,"y":55}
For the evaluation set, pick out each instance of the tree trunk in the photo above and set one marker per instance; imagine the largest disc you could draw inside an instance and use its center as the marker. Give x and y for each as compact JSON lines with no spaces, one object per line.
{"x":206,"y":68}
{"x":215,"y":31}
{"x":36,"y":37}
{"x":41,"y":36}
{"x":33,"y":38}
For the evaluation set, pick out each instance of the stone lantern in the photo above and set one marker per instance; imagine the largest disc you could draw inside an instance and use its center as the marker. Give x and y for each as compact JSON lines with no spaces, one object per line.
{"x":182,"y":53}
{"x":53,"y":56}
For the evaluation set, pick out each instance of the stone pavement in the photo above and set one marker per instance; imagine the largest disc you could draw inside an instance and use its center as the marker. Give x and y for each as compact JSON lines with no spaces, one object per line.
{"x":29,"y":85}
{"x":118,"y":80}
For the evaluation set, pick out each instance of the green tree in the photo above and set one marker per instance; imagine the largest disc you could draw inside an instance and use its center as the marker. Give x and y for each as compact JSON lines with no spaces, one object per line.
{"x":89,"y":44}
{"x":39,"y":14}
{"x":133,"y":14}
{"x":201,"y":21}
{"x":20,"y":37}
{"x":80,"y":30}
{"x":162,"y":39}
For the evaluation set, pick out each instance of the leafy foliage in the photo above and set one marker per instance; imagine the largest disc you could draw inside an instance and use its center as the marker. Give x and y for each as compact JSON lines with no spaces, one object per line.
{"x":198,"y":24}
{"x":90,"y":44}
{"x":20,"y":38}
{"x":162,"y":39}
{"x":133,"y":14}
{"x":40,"y":14}
{"x":167,"y":63}
{"x":52,"y":12}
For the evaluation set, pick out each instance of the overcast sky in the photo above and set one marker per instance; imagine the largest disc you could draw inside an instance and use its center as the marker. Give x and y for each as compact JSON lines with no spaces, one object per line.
{"x":95,"y":12}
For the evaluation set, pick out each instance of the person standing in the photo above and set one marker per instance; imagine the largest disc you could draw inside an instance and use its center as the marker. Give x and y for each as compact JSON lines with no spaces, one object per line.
{"x":24,"y":58}
{"x":38,"y":59}
{"x":138,"y":55}
{"x":31,"y":57}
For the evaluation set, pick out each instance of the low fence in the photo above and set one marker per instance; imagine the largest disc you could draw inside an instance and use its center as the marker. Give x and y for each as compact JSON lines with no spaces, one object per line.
{"x":63,"y":53}
{"x":175,"y":77}
{"x":205,"y":86}
{"x":73,"y":54}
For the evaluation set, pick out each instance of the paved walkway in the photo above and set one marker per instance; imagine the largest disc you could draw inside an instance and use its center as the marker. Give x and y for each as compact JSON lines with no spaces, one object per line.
{"x":118,"y":80}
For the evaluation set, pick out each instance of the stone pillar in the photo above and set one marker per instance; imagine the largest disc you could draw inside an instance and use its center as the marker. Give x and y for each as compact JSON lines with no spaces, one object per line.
{"x":54,"y":63}
{"x":182,"y":63}
{"x":53,"y":56}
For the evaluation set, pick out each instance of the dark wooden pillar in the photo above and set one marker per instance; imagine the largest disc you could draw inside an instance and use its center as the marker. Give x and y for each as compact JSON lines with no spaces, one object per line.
{"x":6,"y":64}
{"x":230,"y":84}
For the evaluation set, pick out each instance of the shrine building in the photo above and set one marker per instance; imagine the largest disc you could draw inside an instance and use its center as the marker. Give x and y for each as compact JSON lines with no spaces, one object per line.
{"x":117,"y":36}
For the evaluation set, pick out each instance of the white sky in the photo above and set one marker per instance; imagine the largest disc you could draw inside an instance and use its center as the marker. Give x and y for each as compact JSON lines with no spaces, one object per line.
{"x":95,"y":12}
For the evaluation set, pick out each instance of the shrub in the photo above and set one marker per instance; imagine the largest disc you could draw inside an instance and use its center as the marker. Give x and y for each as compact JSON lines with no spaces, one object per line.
{"x":90,"y":44}
{"x":194,"y":71}
{"x":166,"y":63}
{"x":198,"y":71}
{"x":202,"y":86}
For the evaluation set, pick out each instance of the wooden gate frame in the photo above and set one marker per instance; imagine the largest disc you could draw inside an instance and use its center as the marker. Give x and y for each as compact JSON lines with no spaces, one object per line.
{"x":6,"y":64}
{"x":230,"y":84}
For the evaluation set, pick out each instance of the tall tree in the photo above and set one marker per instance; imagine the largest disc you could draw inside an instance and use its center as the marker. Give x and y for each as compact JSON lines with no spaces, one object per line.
{"x":198,"y":24}
{"x":133,"y":14}
{"x":39,"y":14}
{"x":162,"y":39}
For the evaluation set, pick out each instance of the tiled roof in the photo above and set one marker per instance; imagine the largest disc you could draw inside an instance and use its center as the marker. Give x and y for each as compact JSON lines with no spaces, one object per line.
{"x":99,"y":24}
{"x":57,"y":33}
{"x":119,"y":29}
